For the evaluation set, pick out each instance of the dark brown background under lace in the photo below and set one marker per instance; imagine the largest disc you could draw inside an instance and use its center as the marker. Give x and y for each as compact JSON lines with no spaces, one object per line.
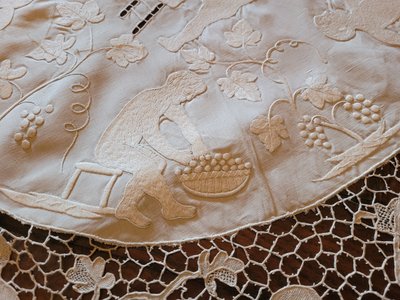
{"x":322,"y":248}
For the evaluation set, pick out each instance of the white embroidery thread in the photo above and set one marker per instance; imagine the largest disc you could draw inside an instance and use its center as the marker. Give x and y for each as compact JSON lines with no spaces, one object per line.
{"x":242,"y":35}
{"x":371,"y":16}
{"x":76,"y":15}
{"x":270,"y":132}
{"x":7,"y":10}
{"x":50,"y":50}
{"x":319,"y":92}
{"x":199,"y":59}
{"x":240,"y":85}
{"x":134,"y":144}
{"x":125,"y":50}
{"x":211,"y":11}
{"x":7,"y":76}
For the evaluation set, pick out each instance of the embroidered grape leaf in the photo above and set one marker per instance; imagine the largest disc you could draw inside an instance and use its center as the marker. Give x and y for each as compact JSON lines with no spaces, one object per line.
{"x":241,"y":85}
{"x":76,"y":15}
{"x":223,"y":268}
{"x":87,"y":276}
{"x":125,"y":50}
{"x":6,"y":16}
{"x":6,"y":75}
{"x":320,"y":92}
{"x":359,"y":152}
{"x":50,"y":50}
{"x":270,"y":132}
{"x":242,"y":35}
{"x":387,"y":216}
{"x":7,"y":9}
{"x":198,"y":59}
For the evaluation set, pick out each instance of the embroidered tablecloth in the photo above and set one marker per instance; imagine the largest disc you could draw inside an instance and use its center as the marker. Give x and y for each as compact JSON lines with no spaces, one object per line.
{"x":194,"y":149}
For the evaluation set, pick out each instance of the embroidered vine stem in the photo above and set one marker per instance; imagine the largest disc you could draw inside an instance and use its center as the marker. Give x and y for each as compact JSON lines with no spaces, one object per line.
{"x":335,"y":108}
{"x":51,"y":81}
{"x":76,"y":108}
{"x":291,"y":102}
{"x":339,"y":128}
{"x":275,"y":103}
{"x":269,"y":61}
{"x":44,"y":85}
{"x":242,"y":62}
{"x":17,"y":87}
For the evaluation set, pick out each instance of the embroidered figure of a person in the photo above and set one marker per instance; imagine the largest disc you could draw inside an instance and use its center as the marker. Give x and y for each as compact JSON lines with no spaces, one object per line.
{"x":371,"y":16}
{"x":209,"y":12}
{"x":133,"y":143}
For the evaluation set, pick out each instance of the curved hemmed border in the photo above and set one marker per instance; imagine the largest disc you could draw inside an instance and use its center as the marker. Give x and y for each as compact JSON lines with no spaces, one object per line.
{"x":230,"y":232}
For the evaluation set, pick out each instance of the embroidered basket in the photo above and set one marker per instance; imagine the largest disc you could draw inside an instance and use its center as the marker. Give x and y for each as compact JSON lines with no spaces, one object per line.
{"x":215,"y":177}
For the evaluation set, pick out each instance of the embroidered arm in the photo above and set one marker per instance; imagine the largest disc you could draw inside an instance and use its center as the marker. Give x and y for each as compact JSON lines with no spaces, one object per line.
{"x":159,"y":143}
{"x":177,"y":114}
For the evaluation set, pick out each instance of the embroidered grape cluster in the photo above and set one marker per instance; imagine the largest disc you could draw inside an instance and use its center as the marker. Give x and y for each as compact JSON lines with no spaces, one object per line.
{"x":362,"y":109}
{"x":313,"y":133}
{"x":30,"y":123}
{"x":217,"y":162}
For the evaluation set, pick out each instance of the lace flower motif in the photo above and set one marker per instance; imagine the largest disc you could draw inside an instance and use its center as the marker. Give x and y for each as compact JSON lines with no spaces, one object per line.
{"x":241,"y":85}
{"x":223,"y":268}
{"x":242,"y":35}
{"x":125,"y":50}
{"x":76,"y":15}
{"x":87,"y":276}
{"x":7,"y":74}
{"x":50,"y":50}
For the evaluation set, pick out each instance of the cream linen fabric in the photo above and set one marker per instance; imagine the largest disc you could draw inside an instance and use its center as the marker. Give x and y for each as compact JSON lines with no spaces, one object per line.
{"x":229,"y":115}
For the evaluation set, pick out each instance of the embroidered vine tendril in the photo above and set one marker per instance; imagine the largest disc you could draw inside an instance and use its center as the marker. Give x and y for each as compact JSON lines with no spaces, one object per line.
{"x":53,"y":80}
{"x":337,"y":127}
{"x":78,"y":108}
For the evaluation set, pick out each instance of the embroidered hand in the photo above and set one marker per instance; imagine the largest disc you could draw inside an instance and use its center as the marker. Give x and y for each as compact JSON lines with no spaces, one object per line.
{"x":198,"y":148}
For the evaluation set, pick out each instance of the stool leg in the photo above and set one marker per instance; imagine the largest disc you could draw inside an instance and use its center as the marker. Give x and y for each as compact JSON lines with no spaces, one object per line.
{"x":71,"y":184}
{"x":107,"y":191}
